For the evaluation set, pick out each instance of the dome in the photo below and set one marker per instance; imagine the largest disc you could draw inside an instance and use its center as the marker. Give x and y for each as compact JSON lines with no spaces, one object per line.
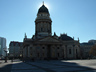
{"x":43,"y":9}
{"x":64,"y":37}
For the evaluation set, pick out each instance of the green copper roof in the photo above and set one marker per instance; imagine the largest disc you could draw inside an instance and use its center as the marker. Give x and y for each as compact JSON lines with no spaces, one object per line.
{"x":43,"y":9}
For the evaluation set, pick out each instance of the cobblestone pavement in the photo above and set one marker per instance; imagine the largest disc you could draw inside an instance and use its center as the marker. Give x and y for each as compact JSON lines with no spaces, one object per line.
{"x":55,"y":66}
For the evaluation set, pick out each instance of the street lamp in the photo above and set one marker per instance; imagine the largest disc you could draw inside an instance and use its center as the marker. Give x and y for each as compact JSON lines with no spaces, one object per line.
{"x":5,"y":50}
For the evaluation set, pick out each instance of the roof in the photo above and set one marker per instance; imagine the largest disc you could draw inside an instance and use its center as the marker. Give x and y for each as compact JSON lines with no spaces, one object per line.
{"x":43,"y":9}
{"x":48,"y":40}
{"x":15,"y":42}
{"x":64,"y":37}
{"x":82,"y":44}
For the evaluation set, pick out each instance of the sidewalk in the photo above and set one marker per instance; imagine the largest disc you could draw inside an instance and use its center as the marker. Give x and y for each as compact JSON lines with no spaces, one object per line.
{"x":1,"y":61}
{"x":5,"y":67}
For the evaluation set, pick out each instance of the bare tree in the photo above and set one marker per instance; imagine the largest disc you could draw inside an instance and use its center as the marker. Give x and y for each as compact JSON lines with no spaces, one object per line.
{"x":93,"y":50}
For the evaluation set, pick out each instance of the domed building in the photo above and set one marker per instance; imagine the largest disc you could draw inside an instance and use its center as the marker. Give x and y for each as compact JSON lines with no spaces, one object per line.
{"x":45,"y":46}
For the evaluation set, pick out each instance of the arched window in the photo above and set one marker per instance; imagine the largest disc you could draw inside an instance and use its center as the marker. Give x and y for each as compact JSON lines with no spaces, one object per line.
{"x":43,"y":47}
{"x":41,"y":29}
{"x":38,"y":54}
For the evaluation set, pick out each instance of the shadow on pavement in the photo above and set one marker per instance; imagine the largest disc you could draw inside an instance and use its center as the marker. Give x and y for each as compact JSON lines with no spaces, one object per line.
{"x":6,"y":68}
{"x":47,"y":66}
{"x":58,"y":66}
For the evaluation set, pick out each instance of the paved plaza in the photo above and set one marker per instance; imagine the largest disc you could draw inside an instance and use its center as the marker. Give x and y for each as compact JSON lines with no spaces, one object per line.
{"x":51,"y":66}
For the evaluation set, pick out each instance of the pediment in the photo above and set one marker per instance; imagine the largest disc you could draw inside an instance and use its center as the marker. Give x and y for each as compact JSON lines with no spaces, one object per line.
{"x":49,"y":39}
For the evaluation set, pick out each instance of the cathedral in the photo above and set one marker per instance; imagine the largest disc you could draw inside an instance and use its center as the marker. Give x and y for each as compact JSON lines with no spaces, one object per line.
{"x":45,"y":46}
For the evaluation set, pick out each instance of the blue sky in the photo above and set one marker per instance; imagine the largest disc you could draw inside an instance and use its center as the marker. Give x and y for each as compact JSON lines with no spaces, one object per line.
{"x":77,"y":18}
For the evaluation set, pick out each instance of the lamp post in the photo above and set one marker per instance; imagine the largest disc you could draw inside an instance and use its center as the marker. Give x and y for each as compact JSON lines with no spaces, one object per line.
{"x":5,"y":50}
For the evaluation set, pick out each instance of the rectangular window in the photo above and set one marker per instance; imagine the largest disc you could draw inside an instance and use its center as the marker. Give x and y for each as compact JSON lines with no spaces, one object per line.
{"x":57,"y":47}
{"x":76,"y":51}
{"x":38,"y":54}
{"x":43,"y":55}
{"x":69,"y":51}
{"x":58,"y":54}
{"x":43,"y":47}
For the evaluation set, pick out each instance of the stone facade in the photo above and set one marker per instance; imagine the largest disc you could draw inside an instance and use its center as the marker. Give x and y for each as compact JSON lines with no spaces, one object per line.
{"x":15,"y":49}
{"x":45,"y":46}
